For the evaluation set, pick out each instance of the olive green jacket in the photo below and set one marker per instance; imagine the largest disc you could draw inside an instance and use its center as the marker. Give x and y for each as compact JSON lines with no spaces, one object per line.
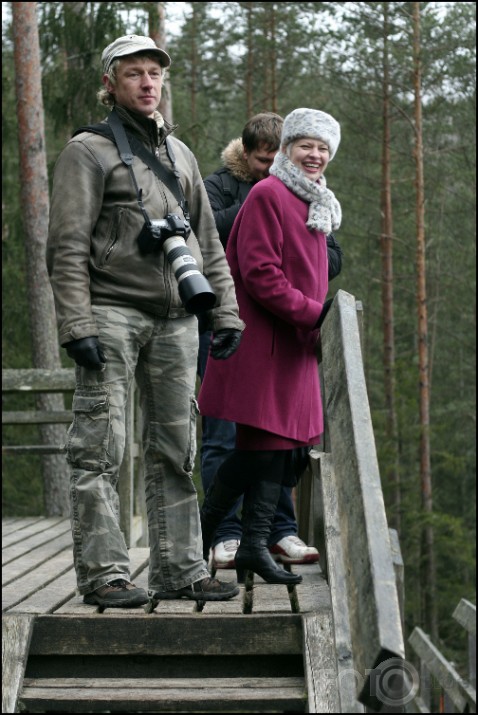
{"x":92,"y":249}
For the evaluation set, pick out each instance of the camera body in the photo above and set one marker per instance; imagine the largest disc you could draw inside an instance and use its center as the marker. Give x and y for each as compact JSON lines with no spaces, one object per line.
{"x":170,"y":234}
{"x":154,"y":234}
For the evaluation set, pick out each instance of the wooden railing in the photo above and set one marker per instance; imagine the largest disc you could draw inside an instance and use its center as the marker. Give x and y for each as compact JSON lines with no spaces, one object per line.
{"x":341,"y":509}
{"x":62,"y":380}
{"x":456,"y":694}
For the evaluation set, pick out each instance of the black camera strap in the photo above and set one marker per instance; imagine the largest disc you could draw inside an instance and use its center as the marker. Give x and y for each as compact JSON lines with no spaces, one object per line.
{"x":115,"y":131}
{"x":169,"y":179}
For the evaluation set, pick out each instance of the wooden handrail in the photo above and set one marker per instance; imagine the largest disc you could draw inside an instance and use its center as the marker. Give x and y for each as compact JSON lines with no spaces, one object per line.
{"x":368,"y":584}
{"x":61,"y":380}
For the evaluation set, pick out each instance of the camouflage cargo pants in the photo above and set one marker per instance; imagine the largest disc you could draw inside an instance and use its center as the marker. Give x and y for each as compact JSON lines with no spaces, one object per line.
{"x":162,"y":355}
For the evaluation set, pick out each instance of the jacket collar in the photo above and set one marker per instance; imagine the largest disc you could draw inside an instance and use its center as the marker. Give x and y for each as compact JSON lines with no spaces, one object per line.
{"x":152,"y":131}
{"x":233,"y":159}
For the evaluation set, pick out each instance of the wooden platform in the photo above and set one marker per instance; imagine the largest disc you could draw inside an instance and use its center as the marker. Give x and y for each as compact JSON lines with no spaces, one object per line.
{"x":246,"y":654}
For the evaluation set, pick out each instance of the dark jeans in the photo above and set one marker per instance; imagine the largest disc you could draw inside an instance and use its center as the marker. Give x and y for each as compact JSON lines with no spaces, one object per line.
{"x":218,"y":441}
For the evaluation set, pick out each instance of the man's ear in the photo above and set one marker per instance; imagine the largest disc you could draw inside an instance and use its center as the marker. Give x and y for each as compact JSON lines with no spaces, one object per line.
{"x":107,"y":82}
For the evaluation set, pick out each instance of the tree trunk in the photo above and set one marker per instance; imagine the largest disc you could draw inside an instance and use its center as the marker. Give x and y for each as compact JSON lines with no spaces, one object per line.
{"x":386,"y":245}
{"x":157,"y":31}
{"x":428,"y":574}
{"x":35,"y":209}
{"x":273,"y":57}
{"x":248,"y":6}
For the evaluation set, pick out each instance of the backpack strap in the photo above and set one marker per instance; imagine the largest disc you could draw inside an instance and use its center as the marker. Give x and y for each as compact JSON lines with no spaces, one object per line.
{"x":229,"y":186}
{"x":128,"y":146}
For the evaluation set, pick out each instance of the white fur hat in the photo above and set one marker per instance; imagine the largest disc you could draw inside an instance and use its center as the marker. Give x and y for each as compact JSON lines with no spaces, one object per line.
{"x":311,"y":123}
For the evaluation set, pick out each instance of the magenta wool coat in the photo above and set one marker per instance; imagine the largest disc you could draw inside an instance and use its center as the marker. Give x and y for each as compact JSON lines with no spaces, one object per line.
{"x":279,"y":267}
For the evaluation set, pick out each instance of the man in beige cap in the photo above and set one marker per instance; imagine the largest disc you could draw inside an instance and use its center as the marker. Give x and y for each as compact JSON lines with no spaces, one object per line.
{"x":122,"y":315}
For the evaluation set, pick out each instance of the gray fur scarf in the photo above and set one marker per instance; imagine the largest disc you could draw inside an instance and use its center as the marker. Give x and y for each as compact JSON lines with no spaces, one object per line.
{"x":325,"y":213}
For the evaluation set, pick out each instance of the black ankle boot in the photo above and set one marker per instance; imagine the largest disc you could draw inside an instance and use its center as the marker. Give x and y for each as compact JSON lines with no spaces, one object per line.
{"x":218,"y":501}
{"x":258,"y":510}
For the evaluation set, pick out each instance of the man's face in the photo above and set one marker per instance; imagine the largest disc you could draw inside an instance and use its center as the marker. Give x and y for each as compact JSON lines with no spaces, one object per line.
{"x":259,"y":161}
{"x":138,"y":84}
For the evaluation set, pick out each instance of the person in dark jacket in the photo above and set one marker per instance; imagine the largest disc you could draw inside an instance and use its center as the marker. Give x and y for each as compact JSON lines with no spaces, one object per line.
{"x":277,"y":251}
{"x":121,"y":317}
{"x":247,"y":160}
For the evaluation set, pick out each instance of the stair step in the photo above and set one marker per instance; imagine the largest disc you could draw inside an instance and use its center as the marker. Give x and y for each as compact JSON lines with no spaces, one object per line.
{"x":163,"y":695}
{"x":167,"y":635}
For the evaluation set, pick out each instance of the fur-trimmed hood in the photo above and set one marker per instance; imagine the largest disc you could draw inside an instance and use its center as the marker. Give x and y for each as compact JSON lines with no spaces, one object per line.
{"x":233,"y":160}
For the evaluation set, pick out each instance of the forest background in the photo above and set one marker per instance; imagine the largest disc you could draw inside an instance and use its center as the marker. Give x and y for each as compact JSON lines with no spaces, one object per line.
{"x":405,"y":99}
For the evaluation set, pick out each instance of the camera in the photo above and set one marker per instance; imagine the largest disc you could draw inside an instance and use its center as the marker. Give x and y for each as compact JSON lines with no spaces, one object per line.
{"x":170,"y":234}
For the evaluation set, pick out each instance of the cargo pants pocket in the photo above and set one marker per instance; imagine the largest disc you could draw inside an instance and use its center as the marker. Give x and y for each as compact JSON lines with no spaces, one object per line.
{"x":89,"y":441}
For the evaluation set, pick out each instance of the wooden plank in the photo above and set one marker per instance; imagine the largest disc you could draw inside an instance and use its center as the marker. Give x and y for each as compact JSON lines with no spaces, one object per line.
{"x":39,"y":590}
{"x":320,"y":664}
{"x":38,"y":380}
{"x":162,"y":683}
{"x":36,"y":528}
{"x":36,"y":417}
{"x":16,"y":636}
{"x":460,"y":692}
{"x":304,"y":505}
{"x":399,"y":569}
{"x":34,"y":541}
{"x":12,"y":524}
{"x":337,"y":578}
{"x":465,"y":614}
{"x":176,"y":694}
{"x":72,"y":602}
{"x":373,"y":600}
{"x":234,"y":605}
{"x":33,"y":449}
{"x":155,"y":634}
{"x":313,"y":594}
{"x":27,"y":562}
{"x":270,"y":598}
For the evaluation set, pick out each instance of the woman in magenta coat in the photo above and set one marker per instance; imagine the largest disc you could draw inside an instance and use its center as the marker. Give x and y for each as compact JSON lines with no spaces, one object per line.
{"x":277,"y":252}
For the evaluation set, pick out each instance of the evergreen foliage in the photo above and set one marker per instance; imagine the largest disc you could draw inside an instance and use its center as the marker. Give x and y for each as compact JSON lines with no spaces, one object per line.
{"x":324,"y":55}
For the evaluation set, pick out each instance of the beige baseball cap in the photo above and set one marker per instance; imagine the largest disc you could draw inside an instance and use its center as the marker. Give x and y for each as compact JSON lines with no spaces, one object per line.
{"x":130,"y":45}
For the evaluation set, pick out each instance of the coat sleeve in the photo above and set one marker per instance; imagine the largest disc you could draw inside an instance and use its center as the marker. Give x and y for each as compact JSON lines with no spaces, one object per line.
{"x":74,"y":209}
{"x":334,"y":255}
{"x":216,"y":268}
{"x":225,"y":204}
{"x":257,"y":245}
{"x":224,"y":208}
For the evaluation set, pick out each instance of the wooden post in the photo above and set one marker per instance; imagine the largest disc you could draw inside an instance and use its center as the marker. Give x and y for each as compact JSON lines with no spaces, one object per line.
{"x":460,"y":693}
{"x":465,"y":614}
{"x":399,"y":572}
{"x":16,"y":636}
{"x":373,"y":600}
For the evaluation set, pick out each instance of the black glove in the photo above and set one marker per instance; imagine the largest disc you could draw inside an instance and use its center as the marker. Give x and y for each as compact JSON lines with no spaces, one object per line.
{"x":224,"y":343}
{"x":324,"y":312}
{"x":86,"y":352}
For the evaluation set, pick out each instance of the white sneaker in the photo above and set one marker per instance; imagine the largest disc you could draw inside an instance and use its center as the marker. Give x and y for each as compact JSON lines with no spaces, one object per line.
{"x":224,"y":553}
{"x":292,"y":550}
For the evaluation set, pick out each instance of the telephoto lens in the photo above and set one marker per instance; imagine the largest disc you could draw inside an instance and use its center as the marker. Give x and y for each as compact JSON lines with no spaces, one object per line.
{"x":195,"y":290}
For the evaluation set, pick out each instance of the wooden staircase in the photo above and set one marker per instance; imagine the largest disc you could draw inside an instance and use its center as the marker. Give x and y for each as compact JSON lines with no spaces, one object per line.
{"x":166,"y":664}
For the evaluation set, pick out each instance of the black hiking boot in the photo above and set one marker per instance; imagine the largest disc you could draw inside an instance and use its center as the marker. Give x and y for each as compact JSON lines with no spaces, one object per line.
{"x":118,"y":593}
